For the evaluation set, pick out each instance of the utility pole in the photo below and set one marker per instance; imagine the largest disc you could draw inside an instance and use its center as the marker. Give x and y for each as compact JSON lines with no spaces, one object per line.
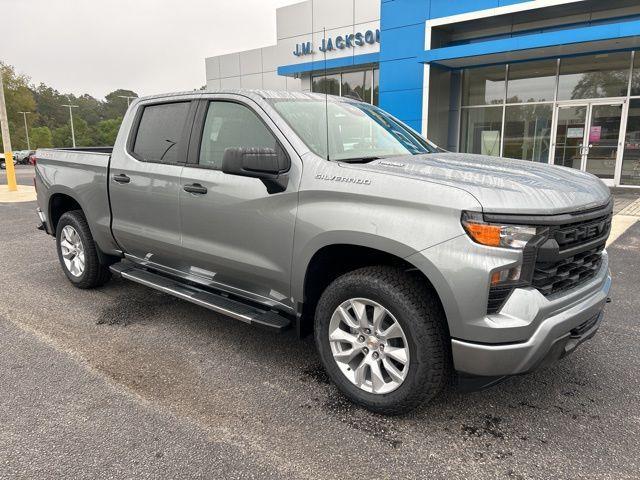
{"x":73,"y":135}
{"x":128,"y":97}
{"x":26,"y":129}
{"x":6,"y":142}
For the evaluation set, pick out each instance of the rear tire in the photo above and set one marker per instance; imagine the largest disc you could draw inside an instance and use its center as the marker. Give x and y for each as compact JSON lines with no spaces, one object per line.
{"x":78,"y":253}
{"x":421,"y":339}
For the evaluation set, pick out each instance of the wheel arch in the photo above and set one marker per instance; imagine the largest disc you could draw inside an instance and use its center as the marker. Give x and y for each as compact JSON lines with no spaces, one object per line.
{"x":60,"y":202}
{"x":330,"y":260}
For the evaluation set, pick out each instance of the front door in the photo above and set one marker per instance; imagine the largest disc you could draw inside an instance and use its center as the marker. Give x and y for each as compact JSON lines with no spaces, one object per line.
{"x":236,"y":235}
{"x":588,"y":137}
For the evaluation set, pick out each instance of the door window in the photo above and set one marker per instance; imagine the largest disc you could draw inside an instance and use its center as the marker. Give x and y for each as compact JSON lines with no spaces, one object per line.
{"x":160,"y":132}
{"x":603,"y":137}
{"x":570,"y":136}
{"x":229,"y":125}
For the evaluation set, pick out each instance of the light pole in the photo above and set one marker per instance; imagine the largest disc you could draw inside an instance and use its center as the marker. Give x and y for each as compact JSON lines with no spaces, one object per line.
{"x":26,"y":129}
{"x":73,"y":135}
{"x":128,"y":97}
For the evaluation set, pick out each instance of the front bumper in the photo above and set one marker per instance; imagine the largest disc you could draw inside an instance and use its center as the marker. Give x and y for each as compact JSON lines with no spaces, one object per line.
{"x":554,"y":338}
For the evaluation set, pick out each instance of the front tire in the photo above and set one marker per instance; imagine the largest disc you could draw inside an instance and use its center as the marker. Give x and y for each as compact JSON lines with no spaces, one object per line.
{"x":381,"y":336}
{"x":78,"y":253}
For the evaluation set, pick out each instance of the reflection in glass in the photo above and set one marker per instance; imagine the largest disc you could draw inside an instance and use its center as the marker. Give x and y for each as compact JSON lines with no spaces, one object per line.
{"x":329,"y":84}
{"x":570,"y":136}
{"x":527,"y":132}
{"x":376,"y":82}
{"x":532,"y":81}
{"x":357,"y":85}
{"x":594,"y":76}
{"x":481,"y":130}
{"x":631,"y":159}
{"x":635,"y":80}
{"x":603,"y":137}
{"x":483,"y":86}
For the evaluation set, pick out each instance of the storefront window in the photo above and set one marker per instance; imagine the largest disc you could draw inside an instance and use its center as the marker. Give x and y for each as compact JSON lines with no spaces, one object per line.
{"x":631,"y":160}
{"x":527,"y":132}
{"x":483,"y":86}
{"x":481,"y":129}
{"x":329,"y":84}
{"x":362,"y":84}
{"x":532,"y":81}
{"x":376,"y":83}
{"x":635,"y":80}
{"x":594,"y":76}
{"x":357,"y":84}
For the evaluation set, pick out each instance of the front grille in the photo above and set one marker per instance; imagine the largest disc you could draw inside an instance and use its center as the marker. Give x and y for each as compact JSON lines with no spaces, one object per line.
{"x":569,"y":254}
{"x":568,"y":273}
{"x":579,"y":233}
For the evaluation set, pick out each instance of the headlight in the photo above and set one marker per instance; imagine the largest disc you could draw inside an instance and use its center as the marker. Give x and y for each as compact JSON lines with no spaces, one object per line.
{"x":495,"y":235}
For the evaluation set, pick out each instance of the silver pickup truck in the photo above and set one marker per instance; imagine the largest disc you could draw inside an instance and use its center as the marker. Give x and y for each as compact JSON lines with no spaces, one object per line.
{"x":412,"y":266}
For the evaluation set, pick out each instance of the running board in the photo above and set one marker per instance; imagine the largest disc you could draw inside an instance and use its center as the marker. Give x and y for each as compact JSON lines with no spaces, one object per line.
{"x":212,"y":301}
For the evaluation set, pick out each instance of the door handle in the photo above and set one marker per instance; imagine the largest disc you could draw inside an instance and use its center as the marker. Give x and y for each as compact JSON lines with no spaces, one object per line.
{"x":195,"y":188}
{"x":121,"y":178}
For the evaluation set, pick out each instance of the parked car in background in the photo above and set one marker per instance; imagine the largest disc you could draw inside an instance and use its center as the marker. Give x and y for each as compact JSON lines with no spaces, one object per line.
{"x":32,"y":159}
{"x":409,"y":263}
{"x":22,"y":156}
{"x":3,"y":163}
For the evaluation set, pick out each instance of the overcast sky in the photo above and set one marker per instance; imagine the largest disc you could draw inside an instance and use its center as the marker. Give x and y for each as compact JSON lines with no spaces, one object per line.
{"x":149,"y":46}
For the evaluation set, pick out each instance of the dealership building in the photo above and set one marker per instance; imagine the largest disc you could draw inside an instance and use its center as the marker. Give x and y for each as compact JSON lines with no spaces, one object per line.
{"x":554,"y":81}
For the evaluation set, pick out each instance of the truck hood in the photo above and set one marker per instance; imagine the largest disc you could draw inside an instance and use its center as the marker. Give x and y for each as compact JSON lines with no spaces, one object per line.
{"x":501,"y":185}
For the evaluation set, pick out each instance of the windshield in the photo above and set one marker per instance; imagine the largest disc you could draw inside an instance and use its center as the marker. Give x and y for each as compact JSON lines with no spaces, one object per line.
{"x":357,"y":131}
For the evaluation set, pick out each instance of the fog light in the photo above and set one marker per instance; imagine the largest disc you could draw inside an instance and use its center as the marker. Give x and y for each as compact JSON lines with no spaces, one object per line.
{"x":507,"y":275}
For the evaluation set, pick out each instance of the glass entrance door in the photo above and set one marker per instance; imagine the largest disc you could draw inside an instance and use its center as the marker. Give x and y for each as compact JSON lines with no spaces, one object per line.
{"x":587,"y":137}
{"x":569,"y":142}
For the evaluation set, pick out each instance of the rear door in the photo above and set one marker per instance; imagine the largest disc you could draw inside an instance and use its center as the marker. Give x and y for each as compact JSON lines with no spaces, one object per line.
{"x":235,"y":234}
{"x":145,"y":182}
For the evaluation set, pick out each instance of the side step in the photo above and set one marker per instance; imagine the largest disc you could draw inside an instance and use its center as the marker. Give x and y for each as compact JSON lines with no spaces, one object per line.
{"x":216,"y":302}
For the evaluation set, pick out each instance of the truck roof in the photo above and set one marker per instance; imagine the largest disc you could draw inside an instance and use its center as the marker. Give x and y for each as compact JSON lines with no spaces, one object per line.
{"x":256,"y":94}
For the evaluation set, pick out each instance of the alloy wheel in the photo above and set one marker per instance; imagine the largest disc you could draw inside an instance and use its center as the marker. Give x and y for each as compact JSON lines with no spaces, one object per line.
{"x":72,"y":251}
{"x":369,"y":345}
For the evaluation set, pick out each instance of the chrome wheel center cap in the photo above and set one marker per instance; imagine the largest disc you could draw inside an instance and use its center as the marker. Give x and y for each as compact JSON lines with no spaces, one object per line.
{"x":373,"y":343}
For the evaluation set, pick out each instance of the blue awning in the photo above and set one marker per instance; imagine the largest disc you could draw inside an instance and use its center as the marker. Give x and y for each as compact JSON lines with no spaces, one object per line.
{"x":617,"y":35}
{"x":320,"y":65}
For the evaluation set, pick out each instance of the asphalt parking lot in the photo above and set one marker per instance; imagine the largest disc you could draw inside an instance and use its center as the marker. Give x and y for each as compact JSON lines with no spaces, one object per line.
{"x":125,"y":382}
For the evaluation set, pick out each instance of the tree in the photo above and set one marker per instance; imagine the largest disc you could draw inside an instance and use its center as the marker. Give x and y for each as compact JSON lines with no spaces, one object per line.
{"x":96,"y":121}
{"x":41,"y":137}
{"x":50,"y":109}
{"x":106,"y":131}
{"x":19,"y":98}
{"x":89,"y":109}
{"x":84,"y":138}
{"x":115,"y":106}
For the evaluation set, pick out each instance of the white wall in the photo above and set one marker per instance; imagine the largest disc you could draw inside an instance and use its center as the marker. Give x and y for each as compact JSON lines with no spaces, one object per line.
{"x":249,"y":69}
{"x":297,"y":23}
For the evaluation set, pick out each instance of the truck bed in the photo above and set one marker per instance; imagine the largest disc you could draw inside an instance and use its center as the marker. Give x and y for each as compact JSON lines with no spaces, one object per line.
{"x":79,"y":174}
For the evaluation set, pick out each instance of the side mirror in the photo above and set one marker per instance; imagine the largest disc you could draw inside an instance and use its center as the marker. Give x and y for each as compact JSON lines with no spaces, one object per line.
{"x":268,"y":164}
{"x":255,"y":162}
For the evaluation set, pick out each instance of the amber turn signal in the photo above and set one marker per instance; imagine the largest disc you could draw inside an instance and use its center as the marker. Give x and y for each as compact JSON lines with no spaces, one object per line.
{"x":483,"y":233}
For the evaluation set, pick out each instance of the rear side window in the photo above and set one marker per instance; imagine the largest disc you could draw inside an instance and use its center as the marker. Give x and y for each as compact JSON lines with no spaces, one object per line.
{"x":231,"y":125}
{"x":160,"y":132}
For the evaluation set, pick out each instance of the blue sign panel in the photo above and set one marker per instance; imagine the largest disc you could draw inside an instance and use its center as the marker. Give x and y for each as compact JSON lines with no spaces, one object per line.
{"x":340,"y":42}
